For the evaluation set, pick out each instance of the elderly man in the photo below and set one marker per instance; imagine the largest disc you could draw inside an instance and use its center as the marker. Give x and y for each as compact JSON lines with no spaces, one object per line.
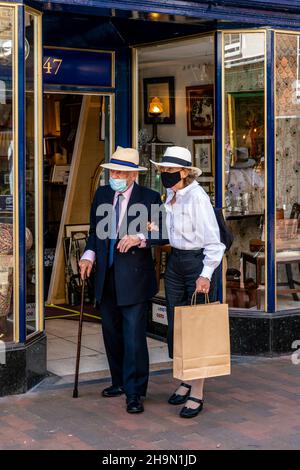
{"x":125,"y":275}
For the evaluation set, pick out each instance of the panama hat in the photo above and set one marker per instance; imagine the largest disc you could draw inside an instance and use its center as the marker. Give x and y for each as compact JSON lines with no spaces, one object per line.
{"x":124,"y":159}
{"x":178,"y":157}
{"x":242,"y":159}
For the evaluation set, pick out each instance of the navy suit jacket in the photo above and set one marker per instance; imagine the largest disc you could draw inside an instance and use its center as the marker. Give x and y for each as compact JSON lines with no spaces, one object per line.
{"x":135,"y":278}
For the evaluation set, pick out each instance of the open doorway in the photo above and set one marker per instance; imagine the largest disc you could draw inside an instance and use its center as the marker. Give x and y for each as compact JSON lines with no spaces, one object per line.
{"x":77,"y":139}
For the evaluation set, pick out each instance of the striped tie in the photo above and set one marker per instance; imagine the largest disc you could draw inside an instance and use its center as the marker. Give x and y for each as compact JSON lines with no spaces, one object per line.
{"x":114,"y":230}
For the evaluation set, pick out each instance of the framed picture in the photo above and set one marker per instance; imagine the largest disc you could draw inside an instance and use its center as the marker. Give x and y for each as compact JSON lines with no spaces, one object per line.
{"x":200,"y":109}
{"x":77,"y":231}
{"x":74,"y":244}
{"x":203,"y":156}
{"x":6,"y":178}
{"x":60,"y":174}
{"x":246,"y":122}
{"x":164,"y":89}
{"x":206,"y":186}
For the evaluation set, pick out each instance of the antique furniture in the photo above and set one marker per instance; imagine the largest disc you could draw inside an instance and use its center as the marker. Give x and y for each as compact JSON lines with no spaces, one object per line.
{"x":287,"y":253}
{"x":6,"y":270}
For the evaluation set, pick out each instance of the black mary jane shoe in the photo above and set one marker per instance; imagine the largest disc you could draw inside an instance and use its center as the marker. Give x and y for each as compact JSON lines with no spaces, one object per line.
{"x":113,"y":391}
{"x":134,"y":404}
{"x":187,"y":412}
{"x":177,"y":399}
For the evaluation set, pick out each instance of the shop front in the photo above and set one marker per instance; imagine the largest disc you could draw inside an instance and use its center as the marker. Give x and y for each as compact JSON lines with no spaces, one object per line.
{"x":79,"y":78}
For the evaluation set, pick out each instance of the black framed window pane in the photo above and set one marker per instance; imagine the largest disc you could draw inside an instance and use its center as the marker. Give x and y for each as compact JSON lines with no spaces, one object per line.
{"x":244,"y":161}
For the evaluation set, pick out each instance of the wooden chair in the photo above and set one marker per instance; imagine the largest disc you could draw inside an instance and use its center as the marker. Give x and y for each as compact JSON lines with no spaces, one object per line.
{"x":288,"y":253}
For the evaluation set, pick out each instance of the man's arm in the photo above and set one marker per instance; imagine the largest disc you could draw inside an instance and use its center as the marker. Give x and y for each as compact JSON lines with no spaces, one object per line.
{"x":91,"y":241}
{"x":87,"y":260}
{"x":157,"y":235}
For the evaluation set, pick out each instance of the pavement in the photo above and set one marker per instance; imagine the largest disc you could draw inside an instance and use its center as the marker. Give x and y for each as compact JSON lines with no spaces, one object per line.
{"x":257,"y":407}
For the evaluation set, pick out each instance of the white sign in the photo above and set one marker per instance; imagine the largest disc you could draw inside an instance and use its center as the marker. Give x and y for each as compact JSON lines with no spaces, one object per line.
{"x":2,"y":353}
{"x":159,"y":314}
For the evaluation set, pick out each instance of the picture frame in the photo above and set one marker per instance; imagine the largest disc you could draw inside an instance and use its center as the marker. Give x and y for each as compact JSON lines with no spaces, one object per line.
{"x":246,"y":122}
{"x":72,"y":230}
{"x":6,"y":180}
{"x":203,"y":156}
{"x":164,"y":89}
{"x":206,"y":186}
{"x":60,"y":173}
{"x":74,"y":244}
{"x":200,"y":110}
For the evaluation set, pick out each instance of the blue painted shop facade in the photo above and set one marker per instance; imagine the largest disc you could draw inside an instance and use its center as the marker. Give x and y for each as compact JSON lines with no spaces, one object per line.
{"x":240,"y":64}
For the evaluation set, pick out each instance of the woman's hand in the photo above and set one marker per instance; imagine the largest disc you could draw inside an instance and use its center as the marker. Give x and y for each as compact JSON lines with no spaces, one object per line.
{"x":85,"y":268}
{"x":202,"y":285}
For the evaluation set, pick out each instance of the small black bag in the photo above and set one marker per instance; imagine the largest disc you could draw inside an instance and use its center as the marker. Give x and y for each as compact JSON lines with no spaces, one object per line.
{"x":226,"y":235}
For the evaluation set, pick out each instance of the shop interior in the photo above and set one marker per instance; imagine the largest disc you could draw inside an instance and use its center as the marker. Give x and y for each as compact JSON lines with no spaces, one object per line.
{"x":176,"y":80}
{"x":176,"y":106}
{"x":76,"y":141}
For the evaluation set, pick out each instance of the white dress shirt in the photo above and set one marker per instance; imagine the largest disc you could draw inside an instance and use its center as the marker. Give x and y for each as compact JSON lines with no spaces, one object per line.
{"x":192,"y":225}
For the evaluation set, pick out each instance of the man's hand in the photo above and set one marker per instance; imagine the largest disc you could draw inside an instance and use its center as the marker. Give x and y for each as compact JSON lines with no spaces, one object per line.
{"x":127,"y":242}
{"x":85,"y":268}
{"x":202,"y":285}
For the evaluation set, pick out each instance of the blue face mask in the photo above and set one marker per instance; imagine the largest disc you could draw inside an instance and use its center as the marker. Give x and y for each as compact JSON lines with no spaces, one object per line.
{"x":119,"y":185}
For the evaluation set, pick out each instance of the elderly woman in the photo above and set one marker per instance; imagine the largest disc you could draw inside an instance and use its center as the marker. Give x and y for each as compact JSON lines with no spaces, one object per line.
{"x":196,"y":253}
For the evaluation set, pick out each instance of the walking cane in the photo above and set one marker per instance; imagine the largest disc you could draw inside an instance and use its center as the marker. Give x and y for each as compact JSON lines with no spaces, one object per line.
{"x":75,"y":391}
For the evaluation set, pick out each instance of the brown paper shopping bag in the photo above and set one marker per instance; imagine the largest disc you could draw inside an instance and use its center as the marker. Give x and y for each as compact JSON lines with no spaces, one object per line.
{"x":201,"y":341}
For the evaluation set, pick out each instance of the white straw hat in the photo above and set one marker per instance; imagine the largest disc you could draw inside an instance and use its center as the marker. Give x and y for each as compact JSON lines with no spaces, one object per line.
{"x":124,"y":159}
{"x":178,"y":157}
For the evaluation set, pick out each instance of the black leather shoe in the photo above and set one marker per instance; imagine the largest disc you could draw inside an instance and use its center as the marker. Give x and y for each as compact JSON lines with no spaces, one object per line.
{"x":176,"y":399}
{"x":112,"y":391}
{"x":191,"y":412}
{"x":134,"y":404}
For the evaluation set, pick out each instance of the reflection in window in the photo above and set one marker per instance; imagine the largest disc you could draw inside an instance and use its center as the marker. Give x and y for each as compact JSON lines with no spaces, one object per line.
{"x":31,"y":175}
{"x":6,"y":174}
{"x":178,"y":76}
{"x":244,"y":167}
{"x":288,"y":170}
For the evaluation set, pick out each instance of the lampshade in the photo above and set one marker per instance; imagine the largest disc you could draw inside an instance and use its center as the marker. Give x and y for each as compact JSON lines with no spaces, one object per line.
{"x":155,"y":106}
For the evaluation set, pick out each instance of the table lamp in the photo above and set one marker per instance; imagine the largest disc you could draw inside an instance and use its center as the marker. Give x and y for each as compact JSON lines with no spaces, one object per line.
{"x":155,"y":110}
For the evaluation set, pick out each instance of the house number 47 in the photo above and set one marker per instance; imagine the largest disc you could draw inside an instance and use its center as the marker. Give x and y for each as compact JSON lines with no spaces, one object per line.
{"x":52,"y":66}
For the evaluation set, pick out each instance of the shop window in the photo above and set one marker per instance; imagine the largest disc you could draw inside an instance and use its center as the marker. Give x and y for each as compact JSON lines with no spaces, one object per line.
{"x":6,"y":175}
{"x":232,"y":45}
{"x":33,"y":208}
{"x":176,"y":107}
{"x":287,"y":121}
{"x":244,"y":160}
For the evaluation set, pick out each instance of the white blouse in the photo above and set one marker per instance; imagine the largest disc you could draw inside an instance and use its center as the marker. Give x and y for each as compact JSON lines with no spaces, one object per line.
{"x":192,"y":225}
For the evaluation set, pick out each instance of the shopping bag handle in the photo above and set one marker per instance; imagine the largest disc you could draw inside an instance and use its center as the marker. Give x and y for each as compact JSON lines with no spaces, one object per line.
{"x":194,"y":298}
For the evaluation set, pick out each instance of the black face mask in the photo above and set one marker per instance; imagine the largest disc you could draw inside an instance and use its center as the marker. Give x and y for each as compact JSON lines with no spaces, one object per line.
{"x":170,"y":179}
